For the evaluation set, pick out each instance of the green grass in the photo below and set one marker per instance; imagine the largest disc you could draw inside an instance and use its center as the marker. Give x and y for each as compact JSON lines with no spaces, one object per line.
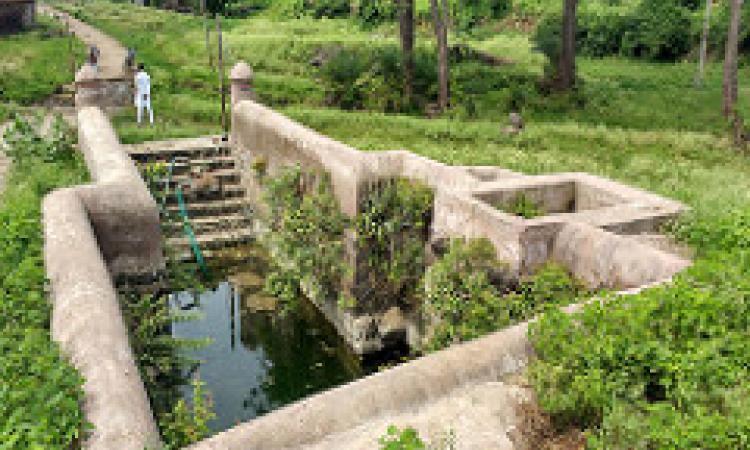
{"x":36,"y":63}
{"x":40,"y":392}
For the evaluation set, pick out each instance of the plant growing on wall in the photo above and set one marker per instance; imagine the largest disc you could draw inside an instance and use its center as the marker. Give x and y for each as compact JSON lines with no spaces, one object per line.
{"x":522,"y":206}
{"x":392,"y":229}
{"x":467,"y":295}
{"x":306,"y":234}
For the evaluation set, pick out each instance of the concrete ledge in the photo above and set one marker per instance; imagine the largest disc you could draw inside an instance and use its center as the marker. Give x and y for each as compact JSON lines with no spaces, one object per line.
{"x":602,"y":259}
{"x":87,"y":323}
{"x":92,"y":234}
{"x":124,"y":215}
{"x":391,"y":391}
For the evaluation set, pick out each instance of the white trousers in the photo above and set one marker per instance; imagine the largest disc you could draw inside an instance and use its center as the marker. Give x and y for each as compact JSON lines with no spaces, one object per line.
{"x":141,"y":103}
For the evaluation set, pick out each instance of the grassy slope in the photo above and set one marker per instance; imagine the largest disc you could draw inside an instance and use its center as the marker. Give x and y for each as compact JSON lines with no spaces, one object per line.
{"x":33,"y":65}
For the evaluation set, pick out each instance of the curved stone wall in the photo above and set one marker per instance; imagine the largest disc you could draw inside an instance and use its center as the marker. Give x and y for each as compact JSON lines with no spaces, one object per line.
{"x":92,"y":233}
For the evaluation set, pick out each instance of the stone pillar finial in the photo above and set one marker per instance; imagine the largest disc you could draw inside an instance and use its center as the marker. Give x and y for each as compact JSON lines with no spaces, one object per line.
{"x":241,"y":79}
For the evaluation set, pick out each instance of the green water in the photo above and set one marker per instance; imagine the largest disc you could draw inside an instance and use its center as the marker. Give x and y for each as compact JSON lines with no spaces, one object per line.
{"x":260,"y":359}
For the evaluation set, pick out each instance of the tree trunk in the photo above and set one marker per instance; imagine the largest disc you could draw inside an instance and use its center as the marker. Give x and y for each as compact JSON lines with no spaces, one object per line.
{"x":704,"y":45}
{"x":566,"y":70}
{"x":730,"y":60}
{"x":440,"y":20}
{"x":208,"y":38}
{"x":406,"y":29}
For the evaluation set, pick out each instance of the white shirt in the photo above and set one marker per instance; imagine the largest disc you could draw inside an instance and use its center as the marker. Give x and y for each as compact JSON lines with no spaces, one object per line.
{"x":143,"y":84}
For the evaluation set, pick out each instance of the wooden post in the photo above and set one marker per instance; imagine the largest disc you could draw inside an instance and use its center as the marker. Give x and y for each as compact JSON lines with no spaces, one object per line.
{"x":72,"y":57}
{"x":224,"y":128}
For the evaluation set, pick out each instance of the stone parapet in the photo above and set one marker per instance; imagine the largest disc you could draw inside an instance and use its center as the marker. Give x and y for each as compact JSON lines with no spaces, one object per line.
{"x":92,"y":235}
{"x":124,"y":215}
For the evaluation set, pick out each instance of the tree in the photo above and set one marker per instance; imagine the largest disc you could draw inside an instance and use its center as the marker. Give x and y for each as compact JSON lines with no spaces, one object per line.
{"x":406,"y":30}
{"x":440,"y":21}
{"x":566,"y":68}
{"x":704,"y":44}
{"x":730,"y":60}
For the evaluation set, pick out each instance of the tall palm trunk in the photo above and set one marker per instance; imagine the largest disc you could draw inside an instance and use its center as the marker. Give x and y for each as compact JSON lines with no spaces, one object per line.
{"x":704,"y":45}
{"x":406,"y":29}
{"x":730,"y":60}
{"x":440,"y":21}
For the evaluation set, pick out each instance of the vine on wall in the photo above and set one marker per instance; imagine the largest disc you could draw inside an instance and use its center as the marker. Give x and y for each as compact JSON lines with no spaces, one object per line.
{"x":392,"y":231}
{"x":306,"y":233}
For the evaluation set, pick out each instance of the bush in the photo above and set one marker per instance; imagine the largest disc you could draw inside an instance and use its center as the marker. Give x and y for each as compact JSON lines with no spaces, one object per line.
{"x":467,"y":295}
{"x":655,"y":30}
{"x":372,"y":79}
{"x":392,"y":229}
{"x":658,"y":30}
{"x":662,"y":369}
{"x":306,"y":235}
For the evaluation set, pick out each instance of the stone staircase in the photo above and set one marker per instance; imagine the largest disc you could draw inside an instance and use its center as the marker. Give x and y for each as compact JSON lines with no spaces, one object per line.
{"x":219,"y":219}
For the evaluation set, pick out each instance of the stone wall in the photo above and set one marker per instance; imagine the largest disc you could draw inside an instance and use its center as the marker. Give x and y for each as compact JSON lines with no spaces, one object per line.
{"x":466,"y":205}
{"x":93,"y":234}
{"x":16,"y":15}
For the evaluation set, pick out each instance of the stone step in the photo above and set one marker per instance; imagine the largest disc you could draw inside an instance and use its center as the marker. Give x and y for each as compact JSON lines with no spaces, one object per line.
{"x":209,"y":224}
{"x":211,"y":208}
{"x":183,"y":165}
{"x":217,"y":240}
{"x":230,"y":255}
{"x":193,"y":148}
{"x":227,"y":192}
{"x":225,"y":176}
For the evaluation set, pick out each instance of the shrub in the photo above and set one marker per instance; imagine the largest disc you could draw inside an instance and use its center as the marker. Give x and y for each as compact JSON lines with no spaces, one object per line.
{"x":659,"y":30}
{"x":392,"y":229}
{"x":306,"y":233}
{"x":467,"y":295}
{"x":372,"y":79}
{"x":657,"y":370}
{"x":655,"y":30}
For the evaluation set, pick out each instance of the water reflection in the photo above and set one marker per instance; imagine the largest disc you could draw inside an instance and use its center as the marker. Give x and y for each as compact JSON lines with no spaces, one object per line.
{"x":260,"y":359}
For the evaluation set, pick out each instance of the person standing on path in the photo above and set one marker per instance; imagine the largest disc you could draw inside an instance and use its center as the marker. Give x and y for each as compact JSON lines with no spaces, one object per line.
{"x":143,"y":93}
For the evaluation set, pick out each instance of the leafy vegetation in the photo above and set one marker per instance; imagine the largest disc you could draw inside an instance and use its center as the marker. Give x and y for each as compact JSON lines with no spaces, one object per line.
{"x":392,"y":229}
{"x":36,"y":63}
{"x":40,"y":392}
{"x":406,"y":439}
{"x":468,"y":295}
{"x":306,"y":234}
{"x":522,"y":206}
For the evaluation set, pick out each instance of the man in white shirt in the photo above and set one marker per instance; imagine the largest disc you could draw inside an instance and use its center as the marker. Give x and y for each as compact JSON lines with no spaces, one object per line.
{"x":143,"y":93}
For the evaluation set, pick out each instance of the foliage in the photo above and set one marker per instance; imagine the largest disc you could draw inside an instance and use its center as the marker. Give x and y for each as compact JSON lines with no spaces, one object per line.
{"x":663,"y":363}
{"x":392,"y":228}
{"x":523,"y":206}
{"x":468,"y":294}
{"x":306,"y":235}
{"x":186,"y":425}
{"x":371,"y":78}
{"x":655,"y":30}
{"x":148,"y":319}
{"x":406,"y":439}
{"x":40,"y":392}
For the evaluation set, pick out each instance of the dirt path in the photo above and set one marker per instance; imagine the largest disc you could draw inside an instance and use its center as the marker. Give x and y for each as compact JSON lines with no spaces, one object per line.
{"x":112,"y":53}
